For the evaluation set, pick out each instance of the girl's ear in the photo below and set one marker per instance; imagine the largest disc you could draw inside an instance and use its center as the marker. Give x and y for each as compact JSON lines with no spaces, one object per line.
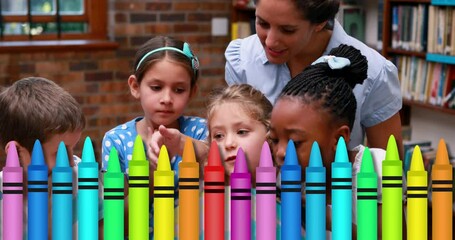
{"x":342,"y":131}
{"x":134,"y":86}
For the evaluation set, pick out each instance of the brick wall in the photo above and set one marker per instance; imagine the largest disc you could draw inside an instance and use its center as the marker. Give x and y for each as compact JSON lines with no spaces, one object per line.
{"x":98,"y":79}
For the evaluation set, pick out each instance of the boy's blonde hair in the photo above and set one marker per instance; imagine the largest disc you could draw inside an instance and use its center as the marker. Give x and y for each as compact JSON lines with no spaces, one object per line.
{"x":37,"y":108}
{"x":252,"y":101}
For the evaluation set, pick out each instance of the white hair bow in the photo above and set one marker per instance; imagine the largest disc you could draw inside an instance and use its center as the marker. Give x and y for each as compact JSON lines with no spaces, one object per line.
{"x":334,"y":62}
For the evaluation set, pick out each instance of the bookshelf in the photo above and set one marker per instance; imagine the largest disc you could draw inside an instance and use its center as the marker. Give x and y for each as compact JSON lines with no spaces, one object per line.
{"x":242,"y":18}
{"x":423,"y":48}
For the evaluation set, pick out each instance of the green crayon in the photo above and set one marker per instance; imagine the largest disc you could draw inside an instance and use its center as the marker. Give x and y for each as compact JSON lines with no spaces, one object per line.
{"x":392,"y":192}
{"x":113,"y":199}
{"x":367,"y":199}
{"x":138,"y":193}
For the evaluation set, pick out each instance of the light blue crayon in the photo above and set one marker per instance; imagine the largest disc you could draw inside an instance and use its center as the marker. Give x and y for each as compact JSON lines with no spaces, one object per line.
{"x":87,"y":197}
{"x":291,"y":195}
{"x":37,"y":195}
{"x":62,"y":196}
{"x":315,"y":194}
{"x":341,"y":194}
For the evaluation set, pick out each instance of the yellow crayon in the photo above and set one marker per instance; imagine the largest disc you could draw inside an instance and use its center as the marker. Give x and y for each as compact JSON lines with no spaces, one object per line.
{"x":417,"y":198}
{"x":138,"y":193}
{"x":442,"y":183}
{"x":188,"y":193}
{"x":163,"y":198}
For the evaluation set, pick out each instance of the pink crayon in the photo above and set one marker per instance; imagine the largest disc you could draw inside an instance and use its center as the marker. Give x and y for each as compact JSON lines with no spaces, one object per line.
{"x":12,"y":196}
{"x":240,"y":199}
{"x":266,"y":196}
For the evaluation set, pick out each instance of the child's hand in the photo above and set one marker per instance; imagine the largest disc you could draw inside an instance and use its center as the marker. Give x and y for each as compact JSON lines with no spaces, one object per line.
{"x":153,"y":158}
{"x":172,"y":138}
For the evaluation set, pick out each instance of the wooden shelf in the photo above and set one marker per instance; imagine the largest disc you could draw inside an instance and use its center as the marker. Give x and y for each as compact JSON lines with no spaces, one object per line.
{"x":413,"y":103}
{"x":405,"y":52}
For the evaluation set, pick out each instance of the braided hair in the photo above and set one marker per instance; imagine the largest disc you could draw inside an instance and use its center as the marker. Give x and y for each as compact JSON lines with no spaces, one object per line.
{"x":331,"y":88}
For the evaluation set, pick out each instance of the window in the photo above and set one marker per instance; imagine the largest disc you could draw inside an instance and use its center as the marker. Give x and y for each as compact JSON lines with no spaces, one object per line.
{"x":25,"y":20}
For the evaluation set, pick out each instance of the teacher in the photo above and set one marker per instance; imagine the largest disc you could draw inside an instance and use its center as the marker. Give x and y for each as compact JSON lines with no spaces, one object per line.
{"x":292,"y":34}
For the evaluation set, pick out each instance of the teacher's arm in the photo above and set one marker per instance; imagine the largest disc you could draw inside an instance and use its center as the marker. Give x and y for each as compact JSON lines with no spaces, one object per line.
{"x":378,"y":135}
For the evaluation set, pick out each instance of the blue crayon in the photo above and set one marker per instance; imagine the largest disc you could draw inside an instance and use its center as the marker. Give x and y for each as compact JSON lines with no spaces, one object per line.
{"x":87,"y":197}
{"x":37,"y":194}
{"x":341,"y":193}
{"x":291,"y":195}
{"x":62,"y":196}
{"x":315,"y":194}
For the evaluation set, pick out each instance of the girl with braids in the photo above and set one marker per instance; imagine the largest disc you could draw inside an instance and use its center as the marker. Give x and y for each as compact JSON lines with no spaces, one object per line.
{"x":319,"y":105}
{"x":291,"y":34}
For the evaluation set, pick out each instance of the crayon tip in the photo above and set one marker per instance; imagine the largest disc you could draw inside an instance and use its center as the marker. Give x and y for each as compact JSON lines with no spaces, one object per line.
{"x":113,"y":163}
{"x":341,"y":154}
{"x":12,"y":158}
{"x":391,"y":152}
{"x":291,"y":154}
{"x":37,"y":154}
{"x":367,"y":161}
{"x":214,"y":155}
{"x":163,"y":160}
{"x":188,"y":151}
{"x":240,"y":162}
{"x":266,"y":157}
{"x":416,"y":160}
{"x":138,"y":149}
{"x":62,"y":156}
{"x":88,"y":155}
{"x":442,"y":156}
{"x":315,"y":156}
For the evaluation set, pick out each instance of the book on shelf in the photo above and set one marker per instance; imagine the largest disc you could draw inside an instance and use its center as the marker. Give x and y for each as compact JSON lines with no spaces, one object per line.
{"x":409,"y":24}
{"x":427,"y":82}
{"x":380,"y":24}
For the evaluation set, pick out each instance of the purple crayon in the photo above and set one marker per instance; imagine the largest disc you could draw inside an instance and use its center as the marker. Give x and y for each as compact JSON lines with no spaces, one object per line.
{"x":240,"y":199}
{"x":266,"y":196}
{"x":12,"y":196}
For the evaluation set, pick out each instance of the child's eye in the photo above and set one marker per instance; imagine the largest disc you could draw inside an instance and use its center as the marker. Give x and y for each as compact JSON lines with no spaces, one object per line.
{"x":297,"y":143}
{"x":273,"y":141}
{"x":155,"y":88}
{"x":217,"y":136}
{"x":179,"y":90}
{"x":242,"y":132}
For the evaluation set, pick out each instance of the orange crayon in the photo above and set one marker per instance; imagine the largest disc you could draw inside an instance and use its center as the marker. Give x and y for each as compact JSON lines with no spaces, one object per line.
{"x":189,"y":193}
{"x":442,"y":183}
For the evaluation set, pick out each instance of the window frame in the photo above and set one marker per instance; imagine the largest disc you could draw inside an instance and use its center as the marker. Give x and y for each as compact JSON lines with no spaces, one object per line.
{"x":95,"y":15}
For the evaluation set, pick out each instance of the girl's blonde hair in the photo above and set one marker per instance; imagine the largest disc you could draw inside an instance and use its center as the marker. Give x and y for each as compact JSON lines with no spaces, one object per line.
{"x":252,"y":101}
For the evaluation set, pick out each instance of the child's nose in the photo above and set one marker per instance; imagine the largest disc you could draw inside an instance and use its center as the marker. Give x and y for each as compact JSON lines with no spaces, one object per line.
{"x":166,"y":97}
{"x":230,"y":142}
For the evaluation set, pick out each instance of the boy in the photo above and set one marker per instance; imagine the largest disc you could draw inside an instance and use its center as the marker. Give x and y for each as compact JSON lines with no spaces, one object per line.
{"x":37,"y":108}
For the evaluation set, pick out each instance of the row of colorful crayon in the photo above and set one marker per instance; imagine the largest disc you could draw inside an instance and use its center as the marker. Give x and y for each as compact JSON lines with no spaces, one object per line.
{"x":38,"y":195}
{"x":214,"y":183}
{"x":291,"y":196}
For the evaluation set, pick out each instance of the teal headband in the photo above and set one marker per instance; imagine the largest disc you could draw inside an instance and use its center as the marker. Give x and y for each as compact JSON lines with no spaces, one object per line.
{"x":186,"y":51}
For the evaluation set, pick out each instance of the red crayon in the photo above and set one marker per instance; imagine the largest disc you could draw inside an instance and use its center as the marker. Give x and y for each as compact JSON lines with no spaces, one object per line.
{"x":214,"y":196}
